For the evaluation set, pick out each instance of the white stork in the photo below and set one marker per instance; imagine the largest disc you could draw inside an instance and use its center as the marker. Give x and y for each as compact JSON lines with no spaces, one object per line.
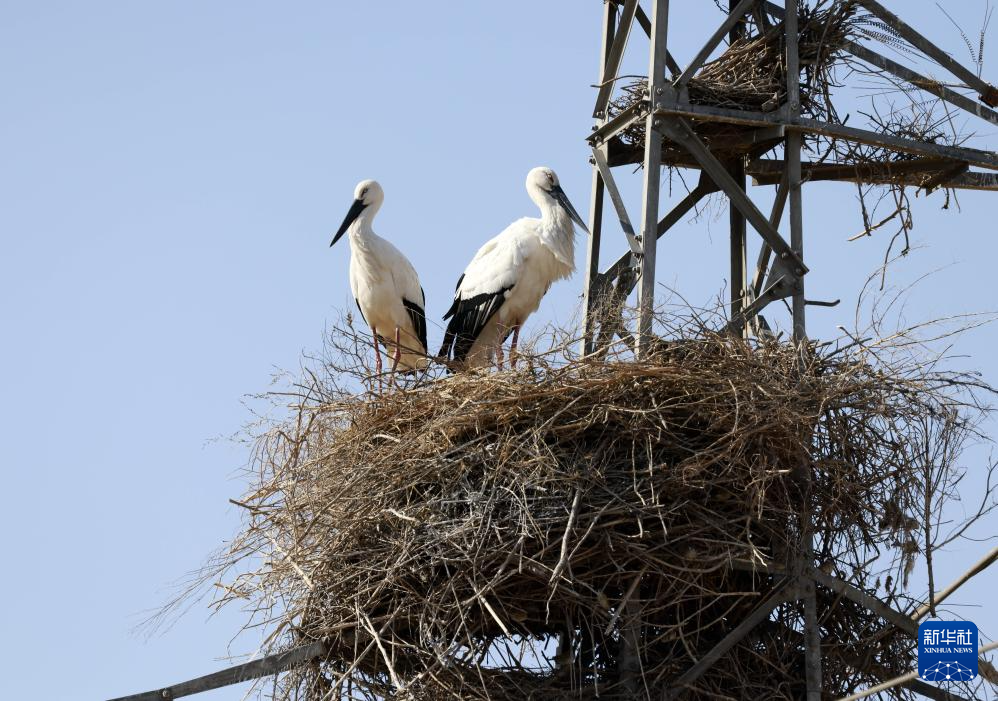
{"x":384,"y":284}
{"x":508,"y":277}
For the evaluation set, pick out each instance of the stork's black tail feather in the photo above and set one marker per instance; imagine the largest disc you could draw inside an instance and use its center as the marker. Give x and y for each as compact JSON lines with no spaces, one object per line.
{"x":468,"y":318}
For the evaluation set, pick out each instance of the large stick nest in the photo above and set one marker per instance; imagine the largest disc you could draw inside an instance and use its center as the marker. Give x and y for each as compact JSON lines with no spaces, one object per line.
{"x":575,"y":529}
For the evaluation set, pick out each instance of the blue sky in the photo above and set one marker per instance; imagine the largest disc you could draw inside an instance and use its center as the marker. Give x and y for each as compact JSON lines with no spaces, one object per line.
{"x":171,"y":175}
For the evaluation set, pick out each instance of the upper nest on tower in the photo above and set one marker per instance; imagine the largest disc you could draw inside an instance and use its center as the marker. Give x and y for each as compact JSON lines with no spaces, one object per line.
{"x":443,"y":538}
{"x":751,"y":74}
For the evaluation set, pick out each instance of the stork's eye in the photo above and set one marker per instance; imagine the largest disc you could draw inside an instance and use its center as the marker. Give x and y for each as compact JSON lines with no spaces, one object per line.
{"x":363,"y":193}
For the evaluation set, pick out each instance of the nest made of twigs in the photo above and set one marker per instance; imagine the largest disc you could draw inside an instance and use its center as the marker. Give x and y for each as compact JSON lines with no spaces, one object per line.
{"x":578,"y":529}
{"x":751,"y":74}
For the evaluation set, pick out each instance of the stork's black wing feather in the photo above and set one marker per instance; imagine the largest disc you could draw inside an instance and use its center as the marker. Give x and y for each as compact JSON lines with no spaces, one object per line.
{"x":467,"y":319}
{"x":360,"y":310}
{"x":418,"y":316}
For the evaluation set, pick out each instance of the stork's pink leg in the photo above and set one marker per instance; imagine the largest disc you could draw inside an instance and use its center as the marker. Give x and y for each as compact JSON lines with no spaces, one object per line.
{"x":499,"y":340}
{"x":512,"y":346}
{"x":398,"y":352}
{"x":377,"y":351}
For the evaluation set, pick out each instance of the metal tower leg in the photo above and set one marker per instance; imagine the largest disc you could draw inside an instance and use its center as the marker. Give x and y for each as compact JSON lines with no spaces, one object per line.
{"x":591,"y":301}
{"x":652,"y":175}
{"x":812,"y":633}
{"x":739,"y":242}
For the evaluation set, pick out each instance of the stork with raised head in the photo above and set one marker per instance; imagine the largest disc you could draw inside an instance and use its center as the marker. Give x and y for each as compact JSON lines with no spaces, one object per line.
{"x":384,"y":284}
{"x":508,"y":277}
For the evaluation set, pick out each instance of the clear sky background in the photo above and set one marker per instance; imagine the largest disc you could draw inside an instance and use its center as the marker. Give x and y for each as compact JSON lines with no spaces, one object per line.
{"x":170,"y":176}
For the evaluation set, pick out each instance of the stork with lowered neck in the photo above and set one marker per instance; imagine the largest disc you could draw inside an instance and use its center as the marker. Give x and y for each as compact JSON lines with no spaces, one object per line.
{"x":510,"y":274}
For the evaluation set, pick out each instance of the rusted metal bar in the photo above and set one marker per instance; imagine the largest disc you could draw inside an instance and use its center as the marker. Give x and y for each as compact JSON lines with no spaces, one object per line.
{"x":612,"y":63}
{"x":770,"y":172}
{"x":795,"y":144}
{"x":988,"y":92}
{"x":945,"y":176}
{"x":271,"y":664}
{"x":762,"y":137}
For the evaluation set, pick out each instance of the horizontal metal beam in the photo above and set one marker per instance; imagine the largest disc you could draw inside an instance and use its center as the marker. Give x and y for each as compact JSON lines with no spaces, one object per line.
{"x":913,"y":173}
{"x":984,"y":159}
{"x":761,"y":137}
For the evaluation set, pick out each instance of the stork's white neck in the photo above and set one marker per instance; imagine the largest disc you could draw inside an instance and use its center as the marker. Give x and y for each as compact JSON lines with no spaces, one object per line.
{"x":362,"y":230}
{"x":557,"y":231}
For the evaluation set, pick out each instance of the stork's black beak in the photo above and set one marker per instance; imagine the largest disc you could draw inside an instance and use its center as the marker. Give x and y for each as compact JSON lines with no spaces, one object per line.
{"x":355,"y":209}
{"x":562,"y":199}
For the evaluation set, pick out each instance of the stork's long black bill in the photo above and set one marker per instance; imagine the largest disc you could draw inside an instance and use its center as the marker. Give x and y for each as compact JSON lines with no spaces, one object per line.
{"x":355,"y":209}
{"x":562,"y":198}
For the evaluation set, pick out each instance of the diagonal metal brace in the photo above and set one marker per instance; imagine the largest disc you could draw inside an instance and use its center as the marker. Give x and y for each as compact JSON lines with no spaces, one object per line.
{"x":680,"y":131}
{"x":916,"y":79}
{"x":618,"y":202}
{"x":616,"y":53}
{"x":733,"y":18}
{"x":619,"y":123}
{"x":266,"y":666}
{"x":988,"y":92}
{"x":783,"y":595}
{"x":645,"y":23}
{"x":703,"y":188}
